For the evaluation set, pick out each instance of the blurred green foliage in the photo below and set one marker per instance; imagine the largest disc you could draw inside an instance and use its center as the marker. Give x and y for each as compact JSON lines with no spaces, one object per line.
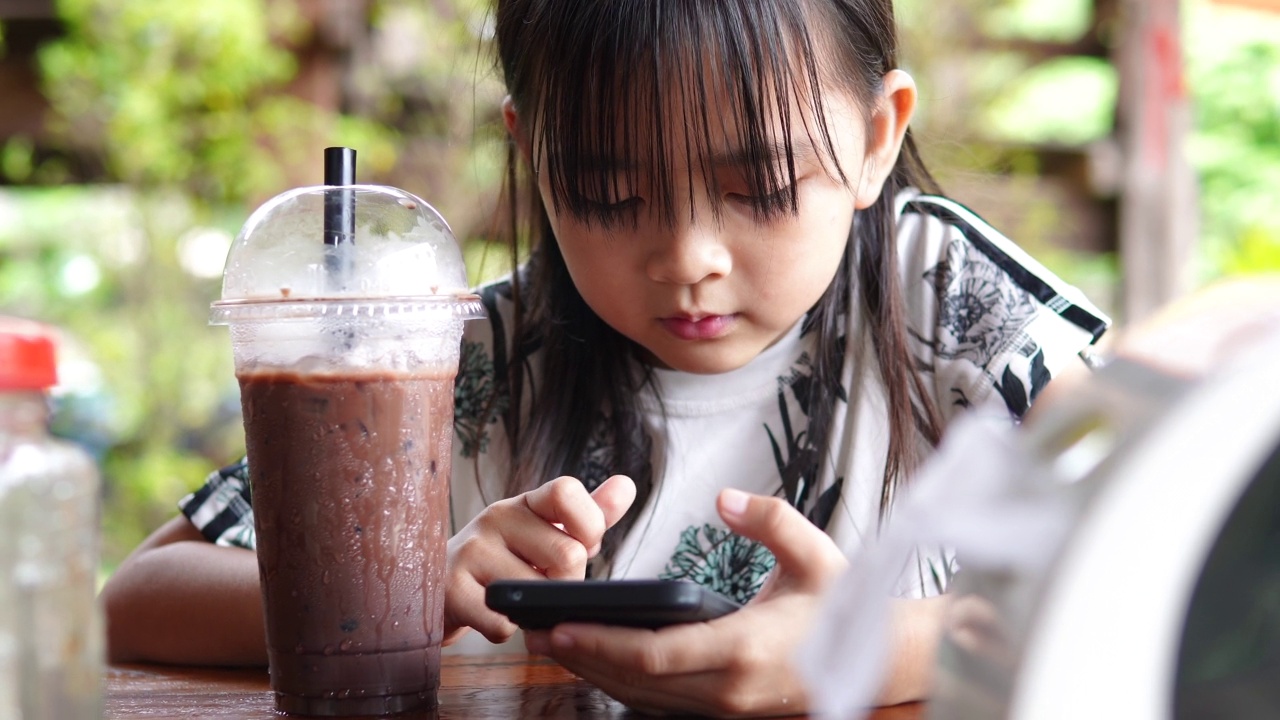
{"x":187,"y":95}
{"x":1233,"y":71}
{"x":1045,"y":20}
{"x":1067,"y":101}
{"x":184,"y":106}
{"x":1237,"y":152}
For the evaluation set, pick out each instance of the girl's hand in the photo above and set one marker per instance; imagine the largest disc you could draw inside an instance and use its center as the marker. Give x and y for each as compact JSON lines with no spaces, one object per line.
{"x":736,"y":665}
{"x":549,"y":532}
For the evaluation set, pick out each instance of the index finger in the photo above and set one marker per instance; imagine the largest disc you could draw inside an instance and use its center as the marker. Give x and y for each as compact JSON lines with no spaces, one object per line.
{"x":614,"y":497}
{"x":673,"y":650}
{"x":799,"y":546}
{"x":565,"y":502}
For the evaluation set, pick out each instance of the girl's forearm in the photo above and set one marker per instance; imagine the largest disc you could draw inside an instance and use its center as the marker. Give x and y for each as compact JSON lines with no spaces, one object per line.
{"x":915,"y":629}
{"x":183,"y":600}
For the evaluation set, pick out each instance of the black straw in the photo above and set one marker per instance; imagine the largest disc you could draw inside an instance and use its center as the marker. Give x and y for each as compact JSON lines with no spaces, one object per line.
{"x":339,"y":212}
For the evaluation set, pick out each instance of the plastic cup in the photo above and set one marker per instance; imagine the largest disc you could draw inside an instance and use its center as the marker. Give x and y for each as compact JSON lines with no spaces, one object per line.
{"x":346,"y":354}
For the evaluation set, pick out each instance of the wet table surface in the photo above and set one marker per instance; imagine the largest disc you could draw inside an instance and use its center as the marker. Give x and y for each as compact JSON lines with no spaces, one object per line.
{"x":471,"y":686}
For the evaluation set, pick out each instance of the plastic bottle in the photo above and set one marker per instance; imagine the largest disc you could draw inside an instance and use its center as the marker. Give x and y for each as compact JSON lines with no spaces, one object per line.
{"x":51,"y":646}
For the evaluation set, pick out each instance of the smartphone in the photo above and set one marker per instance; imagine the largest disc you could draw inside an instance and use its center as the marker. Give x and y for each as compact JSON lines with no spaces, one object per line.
{"x":542,"y":604}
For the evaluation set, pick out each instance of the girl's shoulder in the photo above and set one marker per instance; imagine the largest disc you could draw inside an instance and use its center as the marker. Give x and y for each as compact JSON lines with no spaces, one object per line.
{"x":941,"y":235}
{"x":494,"y":332}
{"x":496,"y":295}
{"x":976,"y":300}
{"x":480,"y":389}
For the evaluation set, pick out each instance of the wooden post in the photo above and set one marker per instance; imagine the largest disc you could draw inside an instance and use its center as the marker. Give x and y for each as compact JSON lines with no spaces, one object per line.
{"x":1158,"y":210}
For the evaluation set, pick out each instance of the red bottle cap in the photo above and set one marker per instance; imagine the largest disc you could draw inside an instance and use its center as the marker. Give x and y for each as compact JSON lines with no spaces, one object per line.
{"x":26,"y":356}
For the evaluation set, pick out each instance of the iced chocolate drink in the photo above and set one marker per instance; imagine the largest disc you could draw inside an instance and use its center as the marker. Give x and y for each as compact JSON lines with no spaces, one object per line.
{"x":346,"y":305}
{"x":353,"y":613}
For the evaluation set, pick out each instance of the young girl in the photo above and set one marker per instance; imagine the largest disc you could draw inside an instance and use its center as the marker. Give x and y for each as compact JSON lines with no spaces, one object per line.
{"x":740,"y":326}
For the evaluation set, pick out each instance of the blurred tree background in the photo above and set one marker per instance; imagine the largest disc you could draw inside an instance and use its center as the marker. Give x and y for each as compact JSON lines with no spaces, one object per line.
{"x":138,"y":136}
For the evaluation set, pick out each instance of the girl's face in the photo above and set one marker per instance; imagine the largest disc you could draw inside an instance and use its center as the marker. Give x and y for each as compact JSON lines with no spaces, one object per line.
{"x":707,"y":294}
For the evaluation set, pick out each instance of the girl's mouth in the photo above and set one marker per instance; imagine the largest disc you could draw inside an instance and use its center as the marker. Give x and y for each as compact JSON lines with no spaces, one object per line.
{"x":707,"y":327}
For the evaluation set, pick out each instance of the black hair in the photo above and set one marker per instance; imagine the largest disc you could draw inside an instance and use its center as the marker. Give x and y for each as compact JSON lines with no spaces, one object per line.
{"x":596,"y":84}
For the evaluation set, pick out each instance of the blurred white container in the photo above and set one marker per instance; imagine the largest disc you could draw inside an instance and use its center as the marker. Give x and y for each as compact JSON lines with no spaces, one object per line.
{"x":1119,"y":555}
{"x":1163,"y":601}
{"x":51,"y":647}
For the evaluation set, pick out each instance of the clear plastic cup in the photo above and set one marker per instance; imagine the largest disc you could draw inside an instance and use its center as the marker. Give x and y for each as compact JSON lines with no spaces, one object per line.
{"x":346,"y":338}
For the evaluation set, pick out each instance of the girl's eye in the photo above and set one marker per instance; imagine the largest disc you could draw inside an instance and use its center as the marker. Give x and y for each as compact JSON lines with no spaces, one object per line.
{"x":609,"y":213}
{"x":617,"y":206}
{"x":768,"y":205}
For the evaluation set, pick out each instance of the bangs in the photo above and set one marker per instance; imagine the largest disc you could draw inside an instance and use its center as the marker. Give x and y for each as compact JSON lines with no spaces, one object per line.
{"x":616,"y":93}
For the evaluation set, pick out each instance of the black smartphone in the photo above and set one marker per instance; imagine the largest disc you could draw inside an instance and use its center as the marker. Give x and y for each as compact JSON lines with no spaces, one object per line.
{"x":542,"y":604}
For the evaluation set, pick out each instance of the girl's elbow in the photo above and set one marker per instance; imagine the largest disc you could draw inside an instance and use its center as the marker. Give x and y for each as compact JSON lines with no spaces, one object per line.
{"x":118,"y":609}
{"x":128,"y":602}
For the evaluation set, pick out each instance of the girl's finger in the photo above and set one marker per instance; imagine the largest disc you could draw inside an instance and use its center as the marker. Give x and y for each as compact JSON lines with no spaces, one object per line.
{"x":467,"y":609}
{"x":719,"y":692}
{"x":674,"y":650}
{"x":614,"y":497}
{"x":566,"y":502}
{"x":555,"y":554}
{"x":648,"y":698}
{"x":722,"y":667}
{"x":801,"y":548}
{"x":537,"y":642}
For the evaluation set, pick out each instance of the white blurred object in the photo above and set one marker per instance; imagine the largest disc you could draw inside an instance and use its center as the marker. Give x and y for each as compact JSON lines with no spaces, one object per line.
{"x":1120,"y":557}
{"x":1110,"y":636}
{"x":202,"y":251}
{"x":962,"y":500}
{"x":51,"y":635}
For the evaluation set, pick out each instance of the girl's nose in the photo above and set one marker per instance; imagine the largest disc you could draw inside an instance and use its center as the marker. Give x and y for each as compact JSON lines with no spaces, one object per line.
{"x":689,"y":254}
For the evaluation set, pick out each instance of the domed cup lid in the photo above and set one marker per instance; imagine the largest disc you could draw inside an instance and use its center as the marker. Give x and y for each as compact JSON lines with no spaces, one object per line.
{"x":346,"y":250}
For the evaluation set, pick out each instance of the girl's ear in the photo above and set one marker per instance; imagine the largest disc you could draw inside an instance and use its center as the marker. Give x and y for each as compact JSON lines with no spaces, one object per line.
{"x":512,"y":122}
{"x":896,"y":105}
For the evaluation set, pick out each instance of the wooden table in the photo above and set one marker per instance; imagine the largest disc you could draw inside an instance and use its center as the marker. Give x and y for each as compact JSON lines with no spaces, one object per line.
{"x":501,"y":687}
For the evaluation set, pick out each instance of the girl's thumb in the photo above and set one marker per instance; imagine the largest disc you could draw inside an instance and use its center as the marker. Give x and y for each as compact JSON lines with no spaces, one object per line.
{"x":613,"y":497}
{"x":799,"y":546}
